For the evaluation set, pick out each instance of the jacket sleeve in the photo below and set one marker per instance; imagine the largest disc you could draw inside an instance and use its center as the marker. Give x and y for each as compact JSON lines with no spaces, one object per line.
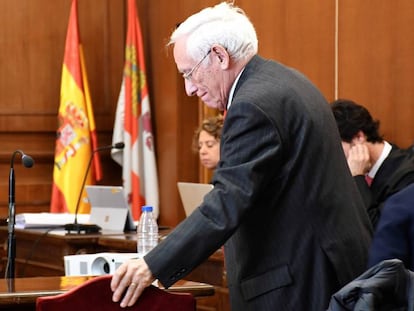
{"x":388,"y":284}
{"x":392,"y":236}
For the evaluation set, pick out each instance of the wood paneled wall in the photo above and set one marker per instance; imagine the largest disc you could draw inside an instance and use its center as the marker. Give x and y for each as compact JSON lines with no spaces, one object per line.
{"x":32,"y":41}
{"x":376,"y":62}
{"x":336,"y":44}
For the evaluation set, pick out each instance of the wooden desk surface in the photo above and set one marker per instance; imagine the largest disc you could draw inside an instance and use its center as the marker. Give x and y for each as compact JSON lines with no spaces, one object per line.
{"x":25,"y":291}
{"x":211,"y":271}
{"x":40,"y":253}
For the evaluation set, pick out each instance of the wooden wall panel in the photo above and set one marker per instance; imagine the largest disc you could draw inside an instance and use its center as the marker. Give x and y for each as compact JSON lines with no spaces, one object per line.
{"x":298,"y":33}
{"x":32,"y":40}
{"x":376,"y":45}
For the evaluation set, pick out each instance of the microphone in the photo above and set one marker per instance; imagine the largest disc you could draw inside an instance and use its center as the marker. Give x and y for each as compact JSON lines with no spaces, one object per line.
{"x":27,"y":162}
{"x":88,"y":228}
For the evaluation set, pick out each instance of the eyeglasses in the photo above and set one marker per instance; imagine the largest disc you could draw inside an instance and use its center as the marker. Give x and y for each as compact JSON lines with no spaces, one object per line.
{"x":187,"y":75}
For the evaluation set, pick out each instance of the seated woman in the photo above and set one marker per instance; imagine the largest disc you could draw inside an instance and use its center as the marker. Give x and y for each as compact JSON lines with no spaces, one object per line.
{"x":206,"y":141}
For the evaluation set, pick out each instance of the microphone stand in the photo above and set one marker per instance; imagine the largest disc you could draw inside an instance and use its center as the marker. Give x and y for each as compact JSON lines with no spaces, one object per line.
{"x":87,"y":228}
{"x":11,"y":241}
{"x":75,"y":226}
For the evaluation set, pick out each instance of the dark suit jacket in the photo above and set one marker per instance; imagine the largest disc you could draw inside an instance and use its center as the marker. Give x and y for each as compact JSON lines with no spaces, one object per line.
{"x":388,"y":286}
{"x":395,"y":173}
{"x":284,"y":202}
{"x":394,"y":235}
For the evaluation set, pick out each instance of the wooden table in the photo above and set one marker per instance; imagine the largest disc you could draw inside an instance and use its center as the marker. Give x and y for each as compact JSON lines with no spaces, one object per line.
{"x":211,"y":271}
{"x":40,"y":253}
{"x":21,"y":293}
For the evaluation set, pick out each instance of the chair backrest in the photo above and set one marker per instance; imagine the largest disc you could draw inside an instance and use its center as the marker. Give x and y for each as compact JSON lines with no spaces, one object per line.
{"x":96,"y":294}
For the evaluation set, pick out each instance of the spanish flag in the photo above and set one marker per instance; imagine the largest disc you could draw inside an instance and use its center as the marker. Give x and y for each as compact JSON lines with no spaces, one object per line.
{"x":76,"y":136}
{"x":133,"y":124}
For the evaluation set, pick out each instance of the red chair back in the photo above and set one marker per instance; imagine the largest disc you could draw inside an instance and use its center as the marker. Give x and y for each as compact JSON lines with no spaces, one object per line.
{"x":96,"y":294}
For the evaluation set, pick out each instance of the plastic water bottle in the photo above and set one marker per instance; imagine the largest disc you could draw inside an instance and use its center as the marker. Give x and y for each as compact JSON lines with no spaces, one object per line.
{"x":147,"y":231}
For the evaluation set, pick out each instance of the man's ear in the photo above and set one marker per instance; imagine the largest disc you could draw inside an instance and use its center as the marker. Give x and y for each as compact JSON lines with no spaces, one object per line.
{"x":360,"y":137}
{"x":221,"y":56}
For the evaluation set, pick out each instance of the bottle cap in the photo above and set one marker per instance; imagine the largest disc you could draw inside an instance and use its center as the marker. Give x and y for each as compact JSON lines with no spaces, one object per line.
{"x":147,"y":208}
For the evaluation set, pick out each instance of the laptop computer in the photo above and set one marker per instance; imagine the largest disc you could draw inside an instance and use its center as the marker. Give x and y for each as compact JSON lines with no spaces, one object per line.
{"x":192,"y":195}
{"x":109,"y":208}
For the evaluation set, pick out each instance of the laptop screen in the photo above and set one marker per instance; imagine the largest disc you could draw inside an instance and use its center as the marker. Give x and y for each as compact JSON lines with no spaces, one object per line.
{"x":192,"y":195}
{"x":109,"y":208}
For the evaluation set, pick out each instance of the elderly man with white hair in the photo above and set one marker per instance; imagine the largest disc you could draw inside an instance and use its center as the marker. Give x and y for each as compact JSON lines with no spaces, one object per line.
{"x":284,"y":204}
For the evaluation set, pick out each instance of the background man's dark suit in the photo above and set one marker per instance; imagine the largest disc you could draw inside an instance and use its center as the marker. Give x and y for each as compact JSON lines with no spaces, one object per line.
{"x":394,"y":174}
{"x":284,"y":201}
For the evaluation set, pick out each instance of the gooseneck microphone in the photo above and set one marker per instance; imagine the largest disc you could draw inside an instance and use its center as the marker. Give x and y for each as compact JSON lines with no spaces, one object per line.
{"x":27,"y":162}
{"x":88,"y":228}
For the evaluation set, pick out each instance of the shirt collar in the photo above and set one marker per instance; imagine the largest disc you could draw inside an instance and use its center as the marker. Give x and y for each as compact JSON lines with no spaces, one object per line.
{"x":384,"y":154}
{"x":233,"y":87}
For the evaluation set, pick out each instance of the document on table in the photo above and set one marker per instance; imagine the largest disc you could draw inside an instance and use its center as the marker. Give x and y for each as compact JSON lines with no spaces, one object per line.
{"x":47,"y":220}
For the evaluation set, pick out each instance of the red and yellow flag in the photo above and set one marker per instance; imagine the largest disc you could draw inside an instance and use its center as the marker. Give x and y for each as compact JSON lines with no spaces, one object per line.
{"x":76,"y":136}
{"x":133,"y":125}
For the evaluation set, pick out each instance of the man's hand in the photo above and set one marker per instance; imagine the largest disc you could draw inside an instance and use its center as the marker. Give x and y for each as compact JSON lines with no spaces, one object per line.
{"x":358,"y":159}
{"x":130,"y":280}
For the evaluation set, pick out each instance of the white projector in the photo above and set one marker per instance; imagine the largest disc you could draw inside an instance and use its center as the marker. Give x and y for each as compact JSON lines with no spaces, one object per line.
{"x":95,"y":264}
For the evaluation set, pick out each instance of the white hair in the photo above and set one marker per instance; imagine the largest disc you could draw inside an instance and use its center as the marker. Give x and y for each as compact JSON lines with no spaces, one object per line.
{"x":223,"y":24}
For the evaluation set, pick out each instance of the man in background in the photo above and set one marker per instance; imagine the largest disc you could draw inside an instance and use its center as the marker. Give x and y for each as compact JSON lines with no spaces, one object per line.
{"x":379,"y":168}
{"x":291,"y":238}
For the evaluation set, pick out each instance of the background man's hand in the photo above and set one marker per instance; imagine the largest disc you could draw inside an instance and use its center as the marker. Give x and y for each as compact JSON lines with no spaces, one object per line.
{"x":358,"y":159}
